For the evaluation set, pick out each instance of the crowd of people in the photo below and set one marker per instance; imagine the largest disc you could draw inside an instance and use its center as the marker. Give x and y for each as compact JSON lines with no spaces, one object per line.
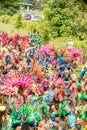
{"x":41,"y":87}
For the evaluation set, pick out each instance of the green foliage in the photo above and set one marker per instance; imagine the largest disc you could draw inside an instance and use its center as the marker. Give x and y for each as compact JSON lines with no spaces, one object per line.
{"x":9,"y":7}
{"x":44,"y":26}
{"x":5,"y":18}
{"x":66,"y":18}
{"x":18,"y":23}
{"x":13,"y":19}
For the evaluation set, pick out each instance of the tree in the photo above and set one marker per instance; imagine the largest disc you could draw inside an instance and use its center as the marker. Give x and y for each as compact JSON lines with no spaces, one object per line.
{"x":9,"y":7}
{"x":66,"y":17}
{"x":18,"y":23}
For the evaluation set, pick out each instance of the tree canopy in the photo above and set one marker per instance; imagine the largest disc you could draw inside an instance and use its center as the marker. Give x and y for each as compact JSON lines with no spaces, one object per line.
{"x":67,"y":17}
{"x":8,"y":6}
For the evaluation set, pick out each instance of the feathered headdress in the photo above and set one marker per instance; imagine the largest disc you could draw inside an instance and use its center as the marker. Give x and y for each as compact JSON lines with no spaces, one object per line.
{"x":45,"y":50}
{"x":13,"y":80}
{"x":30,"y":114}
{"x":18,"y":79}
{"x":83,"y":116}
{"x":77,"y":53}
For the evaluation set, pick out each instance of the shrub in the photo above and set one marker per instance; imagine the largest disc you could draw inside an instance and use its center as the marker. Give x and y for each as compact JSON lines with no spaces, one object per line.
{"x":18,"y":23}
{"x":5,"y":19}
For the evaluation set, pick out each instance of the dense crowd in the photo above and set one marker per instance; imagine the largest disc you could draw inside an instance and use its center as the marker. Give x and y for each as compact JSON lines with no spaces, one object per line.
{"x":41,"y":87}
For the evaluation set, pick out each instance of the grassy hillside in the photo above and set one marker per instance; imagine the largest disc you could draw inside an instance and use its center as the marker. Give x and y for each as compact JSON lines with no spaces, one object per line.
{"x":10,"y":29}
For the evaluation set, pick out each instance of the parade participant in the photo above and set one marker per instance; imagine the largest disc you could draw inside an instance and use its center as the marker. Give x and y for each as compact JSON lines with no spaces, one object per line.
{"x":21,"y":98}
